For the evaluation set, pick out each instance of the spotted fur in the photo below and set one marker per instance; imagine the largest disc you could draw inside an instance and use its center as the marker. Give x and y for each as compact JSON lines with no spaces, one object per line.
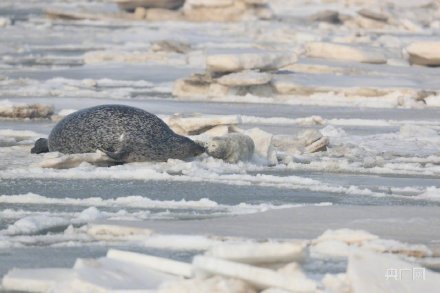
{"x":126,"y":134}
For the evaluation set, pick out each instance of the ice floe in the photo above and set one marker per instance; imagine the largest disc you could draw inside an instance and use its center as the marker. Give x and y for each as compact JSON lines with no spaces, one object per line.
{"x":245,"y":78}
{"x":225,"y":10}
{"x":263,"y":253}
{"x":42,"y":280}
{"x":174,"y":10}
{"x":60,"y":161}
{"x":371,"y":272}
{"x":263,"y":144}
{"x":233,"y":62}
{"x":235,"y":74}
{"x":424,"y":53}
{"x":343,"y":242}
{"x":308,"y":141}
{"x":197,"y":124}
{"x":234,"y":266}
{"x":9,"y":109}
{"x":261,"y":278}
{"x":344,"y":52}
{"x":106,"y":231}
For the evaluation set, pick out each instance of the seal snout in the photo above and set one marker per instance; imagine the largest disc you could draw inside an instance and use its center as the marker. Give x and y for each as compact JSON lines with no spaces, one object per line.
{"x":198,"y":149}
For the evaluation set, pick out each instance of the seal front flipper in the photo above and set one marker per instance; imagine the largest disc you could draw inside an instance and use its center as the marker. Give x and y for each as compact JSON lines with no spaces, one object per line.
{"x":119,"y":156}
{"x":41,"y":146}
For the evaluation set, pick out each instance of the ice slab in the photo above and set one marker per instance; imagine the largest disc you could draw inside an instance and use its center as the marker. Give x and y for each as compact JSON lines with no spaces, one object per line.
{"x":381,"y":273}
{"x":36,"y":224}
{"x":259,"y":277}
{"x":217,"y":130}
{"x":225,"y":10}
{"x":346,"y":235}
{"x":35,"y":280}
{"x":74,"y":160}
{"x":197,"y":124}
{"x":81,"y":14}
{"x":213,"y":3}
{"x":349,"y":86}
{"x":263,"y":144}
{"x":152,"y":262}
{"x":260,"y":253}
{"x":309,"y":141}
{"x":344,"y":52}
{"x":397,"y":247}
{"x":341,"y":243}
{"x":97,"y":57}
{"x":331,"y":249}
{"x":242,"y":83}
{"x":245,"y":78}
{"x":424,"y":53}
{"x":108,"y":275}
{"x":109,"y":231}
{"x":227,"y":63}
{"x":9,"y":109}
{"x":373,"y":14}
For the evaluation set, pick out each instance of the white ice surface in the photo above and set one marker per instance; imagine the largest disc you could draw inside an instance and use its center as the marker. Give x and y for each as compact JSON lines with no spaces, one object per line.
{"x":368,"y":272}
{"x":260,"y":253}
{"x":259,"y":277}
{"x":29,"y":280}
{"x":156,"y":263}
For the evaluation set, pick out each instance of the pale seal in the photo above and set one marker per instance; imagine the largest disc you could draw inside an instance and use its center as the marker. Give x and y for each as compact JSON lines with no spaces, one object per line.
{"x":231,"y":148}
{"x":125,"y":134}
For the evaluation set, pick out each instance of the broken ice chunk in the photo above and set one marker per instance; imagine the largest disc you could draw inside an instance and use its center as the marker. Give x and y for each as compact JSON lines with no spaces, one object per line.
{"x":74,"y":160}
{"x":381,"y":273}
{"x":260,"y":253}
{"x":245,"y":78}
{"x":197,"y":124}
{"x":227,"y":63}
{"x":259,"y":277}
{"x":344,"y":52}
{"x":424,"y":53}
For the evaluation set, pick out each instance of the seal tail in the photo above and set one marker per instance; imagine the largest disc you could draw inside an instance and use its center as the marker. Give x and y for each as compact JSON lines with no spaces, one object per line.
{"x":40,"y":146}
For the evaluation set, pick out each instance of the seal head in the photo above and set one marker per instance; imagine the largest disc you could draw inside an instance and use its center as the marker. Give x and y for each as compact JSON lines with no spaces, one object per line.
{"x":40,"y":146}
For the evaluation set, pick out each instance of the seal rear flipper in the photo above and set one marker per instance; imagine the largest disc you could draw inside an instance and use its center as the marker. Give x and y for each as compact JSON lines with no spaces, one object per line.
{"x":41,"y":146}
{"x":119,"y":156}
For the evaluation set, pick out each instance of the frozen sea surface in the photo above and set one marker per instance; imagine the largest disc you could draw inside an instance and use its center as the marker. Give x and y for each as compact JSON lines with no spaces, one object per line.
{"x":381,"y":171}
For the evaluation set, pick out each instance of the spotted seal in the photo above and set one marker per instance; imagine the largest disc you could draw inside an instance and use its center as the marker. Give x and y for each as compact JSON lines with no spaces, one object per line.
{"x":125,"y":134}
